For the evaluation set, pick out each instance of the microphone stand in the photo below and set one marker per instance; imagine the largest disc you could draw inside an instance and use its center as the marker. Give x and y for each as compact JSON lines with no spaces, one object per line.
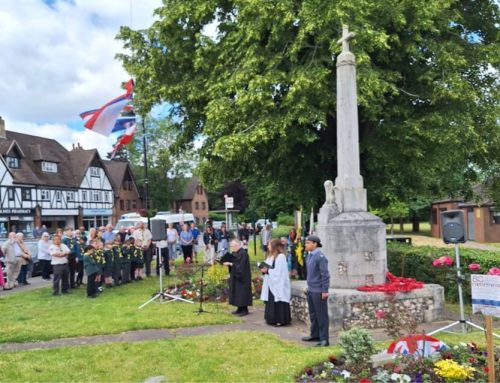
{"x":200,"y":309}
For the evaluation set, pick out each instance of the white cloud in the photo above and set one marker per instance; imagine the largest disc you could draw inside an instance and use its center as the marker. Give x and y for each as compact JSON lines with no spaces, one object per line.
{"x":58,"y":60}
{"x":65,"y":136}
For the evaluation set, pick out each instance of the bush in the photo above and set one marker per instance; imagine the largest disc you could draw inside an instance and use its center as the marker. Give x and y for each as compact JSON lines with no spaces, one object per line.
{"x":281,"y":231}
{"x":358,"y":348}
{"x":286,"y":219}
{"x":217,"y":216}
{"x":416,"y":262}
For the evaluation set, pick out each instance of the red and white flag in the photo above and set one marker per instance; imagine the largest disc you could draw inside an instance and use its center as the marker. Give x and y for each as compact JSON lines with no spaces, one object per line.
{"x":103,"y":120}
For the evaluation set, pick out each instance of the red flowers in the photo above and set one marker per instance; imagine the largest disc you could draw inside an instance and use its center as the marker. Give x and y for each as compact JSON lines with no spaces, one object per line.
{"x":365,"y":380}
{"x":380,"y":314}
{"x":474,"y":266}
{"x":443,"y":261}
{"x":494,"y":271}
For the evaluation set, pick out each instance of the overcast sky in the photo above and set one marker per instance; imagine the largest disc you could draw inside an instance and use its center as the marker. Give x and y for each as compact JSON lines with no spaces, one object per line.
{"x":57,"y":60}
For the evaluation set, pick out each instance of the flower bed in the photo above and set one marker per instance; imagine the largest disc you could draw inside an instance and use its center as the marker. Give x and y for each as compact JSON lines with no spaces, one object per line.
{"x":460,"y":363}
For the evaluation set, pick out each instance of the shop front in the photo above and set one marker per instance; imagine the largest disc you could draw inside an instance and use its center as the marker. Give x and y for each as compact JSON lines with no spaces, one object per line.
{"x":17,"y":220}
{"x":55,"y":219}
{"x":96,"y":217}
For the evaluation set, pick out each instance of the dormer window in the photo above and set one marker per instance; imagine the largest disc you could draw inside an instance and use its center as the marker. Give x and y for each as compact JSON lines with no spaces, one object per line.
{"x":49,"y":167}
{"x":12,"y":162}
{"x":95,"y":172}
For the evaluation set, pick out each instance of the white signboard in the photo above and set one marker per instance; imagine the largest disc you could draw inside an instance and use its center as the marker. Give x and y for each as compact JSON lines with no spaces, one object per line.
{"x":485,"y":294}
{"x":229,"y":202}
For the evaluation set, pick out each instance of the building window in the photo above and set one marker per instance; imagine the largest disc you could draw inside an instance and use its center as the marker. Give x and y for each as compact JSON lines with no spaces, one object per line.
{"x":95,"y":172}
{"x":70,"y":196}
{"x":84,"y":196}
{"x":196,"y":205}
{"x":96,"y":196}
{"x":26,"y":194}
{"x":134,"y":204}
{"x":122,"y":205}
{"x":58,"y":196}
{"x":11,"y":194}
{"x":49,"y":167}
{"x":45,"y":195}
{"x":495,"y":215}
{"x":203,"y":207}
{"x":128,"y":204}
{"x":106,"y":197}
{"x":12,"y":162}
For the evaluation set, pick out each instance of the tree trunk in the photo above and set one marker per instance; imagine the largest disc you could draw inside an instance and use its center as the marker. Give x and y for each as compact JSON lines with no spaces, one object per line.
{"x":415,"y":224}
{"x":401,"y":225}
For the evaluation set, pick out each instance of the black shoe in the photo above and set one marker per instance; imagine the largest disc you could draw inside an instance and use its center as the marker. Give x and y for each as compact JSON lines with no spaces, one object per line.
{"x":310,"y":339}
{"x":323,"y":343}
{"x":7,"y":288}
{"x":235,"y":312}
{"x":242,"y":314}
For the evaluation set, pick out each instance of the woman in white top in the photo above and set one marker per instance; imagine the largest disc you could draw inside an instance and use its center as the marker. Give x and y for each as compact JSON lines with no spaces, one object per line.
{"x":276,"y":292}
{"x":172,"y":238}
{"x":44,"y":256}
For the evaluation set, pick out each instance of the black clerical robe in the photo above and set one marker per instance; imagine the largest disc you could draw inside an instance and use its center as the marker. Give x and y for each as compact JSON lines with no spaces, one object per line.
{"x":240,"y":280}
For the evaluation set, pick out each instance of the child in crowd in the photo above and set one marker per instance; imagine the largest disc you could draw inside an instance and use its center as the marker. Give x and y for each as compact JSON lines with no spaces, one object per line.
{"x":108,"y":264}
{"x":139,"y":260}
{"x":99,"y":255}
{"x":126,"y":261}
{"x":92,"y":268}
{"x":117,"y":260}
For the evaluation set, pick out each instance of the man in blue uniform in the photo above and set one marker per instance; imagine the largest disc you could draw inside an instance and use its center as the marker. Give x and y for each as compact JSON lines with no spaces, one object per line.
{"x":318,"y":282}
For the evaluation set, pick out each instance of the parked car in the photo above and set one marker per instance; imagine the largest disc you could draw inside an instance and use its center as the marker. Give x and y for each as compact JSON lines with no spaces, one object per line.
{"x":262,"y":222}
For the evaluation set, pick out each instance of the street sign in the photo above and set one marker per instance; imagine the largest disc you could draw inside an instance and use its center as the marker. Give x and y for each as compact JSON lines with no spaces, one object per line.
{"x":229,"y":202}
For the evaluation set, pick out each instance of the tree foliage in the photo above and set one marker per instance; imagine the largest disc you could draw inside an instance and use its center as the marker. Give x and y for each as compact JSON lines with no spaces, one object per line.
{"x":261,"y":91}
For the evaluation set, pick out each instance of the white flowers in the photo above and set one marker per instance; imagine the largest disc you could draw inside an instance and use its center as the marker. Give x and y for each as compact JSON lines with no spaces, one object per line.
{"x":400,"y":378}
{"x":346,"y":374}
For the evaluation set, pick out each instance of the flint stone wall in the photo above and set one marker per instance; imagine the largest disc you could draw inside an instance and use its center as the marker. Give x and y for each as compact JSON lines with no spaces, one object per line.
{"x":351,"y":308}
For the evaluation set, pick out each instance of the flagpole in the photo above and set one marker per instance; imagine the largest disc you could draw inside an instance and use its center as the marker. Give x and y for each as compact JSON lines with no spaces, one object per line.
{"x":146,"y":177}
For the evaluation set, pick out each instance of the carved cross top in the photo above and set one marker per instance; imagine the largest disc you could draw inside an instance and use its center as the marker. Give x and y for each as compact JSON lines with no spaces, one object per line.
{"x":346,"y":36}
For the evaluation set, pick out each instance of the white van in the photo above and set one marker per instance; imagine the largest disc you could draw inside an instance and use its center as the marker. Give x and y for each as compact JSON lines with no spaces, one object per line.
{"x":129,"y":220}
{"x":176,"y":219}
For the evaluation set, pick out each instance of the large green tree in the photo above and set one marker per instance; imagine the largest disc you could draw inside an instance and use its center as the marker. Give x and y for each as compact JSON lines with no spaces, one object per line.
{"x":260,"y":91}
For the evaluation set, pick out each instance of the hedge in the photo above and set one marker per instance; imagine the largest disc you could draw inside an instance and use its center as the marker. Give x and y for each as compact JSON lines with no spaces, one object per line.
{"x":416,"y":262}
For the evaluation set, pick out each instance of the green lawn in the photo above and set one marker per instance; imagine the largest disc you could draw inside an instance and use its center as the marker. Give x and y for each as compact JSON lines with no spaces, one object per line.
{"x":37,"y":315}
{"x":235,"y":356}
{"x":223,"y":357}
{"x":425,"y":228}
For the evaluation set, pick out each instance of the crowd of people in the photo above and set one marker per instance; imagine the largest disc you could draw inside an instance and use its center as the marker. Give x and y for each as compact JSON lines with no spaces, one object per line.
{"x":110,"y":259}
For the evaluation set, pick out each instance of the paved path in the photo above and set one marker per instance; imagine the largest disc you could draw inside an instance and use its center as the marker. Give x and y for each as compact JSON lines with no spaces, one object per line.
{"x":253,"y":322}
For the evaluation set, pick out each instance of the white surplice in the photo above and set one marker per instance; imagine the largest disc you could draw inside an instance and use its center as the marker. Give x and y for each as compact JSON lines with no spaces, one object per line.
{"x":277,"y":280}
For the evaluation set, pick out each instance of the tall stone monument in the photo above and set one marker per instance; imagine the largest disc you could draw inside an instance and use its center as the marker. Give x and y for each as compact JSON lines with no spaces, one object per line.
{"x":353,"y":238}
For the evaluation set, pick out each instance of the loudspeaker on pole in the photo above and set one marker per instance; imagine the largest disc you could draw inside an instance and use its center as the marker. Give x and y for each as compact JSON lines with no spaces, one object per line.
{"x":158,"y":229}
{"x":453,"y":226}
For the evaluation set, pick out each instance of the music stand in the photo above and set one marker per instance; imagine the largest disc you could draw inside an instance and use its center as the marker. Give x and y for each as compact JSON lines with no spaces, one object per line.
{"x":162,"y":295}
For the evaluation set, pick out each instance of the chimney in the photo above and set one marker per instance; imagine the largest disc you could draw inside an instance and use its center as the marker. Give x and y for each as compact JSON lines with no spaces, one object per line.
{"x":2,"y":128}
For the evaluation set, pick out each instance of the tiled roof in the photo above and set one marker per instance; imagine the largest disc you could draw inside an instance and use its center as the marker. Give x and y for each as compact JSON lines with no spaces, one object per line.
{"x":71,"y":165}
{"x":116,"y":170}
{"x":190,"y":190}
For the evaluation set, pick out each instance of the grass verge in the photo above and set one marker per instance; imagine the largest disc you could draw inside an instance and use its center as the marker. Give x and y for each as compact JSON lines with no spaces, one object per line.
{"x":224,"y":357}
